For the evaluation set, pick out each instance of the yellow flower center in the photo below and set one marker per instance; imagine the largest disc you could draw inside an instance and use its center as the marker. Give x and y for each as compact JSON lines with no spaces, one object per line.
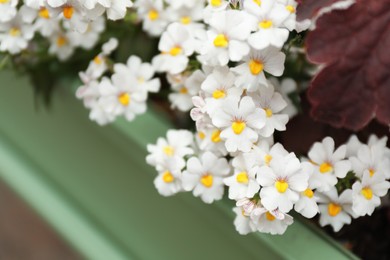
{"x":219,"y":93}
{"x":266,"y":24}
{"x":215,"y":136}
{"x":281,"y":186}
{"x":258,"y":2}
{"x":242,"y":177}
{"x":201,"y":135}
{"x":61,"y":41}
{"x":367,"y":193}
{"x":44,"y":13}
{"x":153,"y":15}
{"x":14,"y":32}
{"x":238,"y":127}
{"x":68,"y":12}
{"x":124,"y":99}
{"x":372,"y":172}
{"x":267,"y":159}
{"x":326,"y":167}
{"x":207,"y":180}
{"x":290,"y":8}
{"x":269,"y":216}
{"x":183,"y":90}
{"x":168,"y":177}
{"x":175,"y":51}
{"x":185,"y":20}
{"x":268,"y":112}
{"x":255,"y":67}
{"x":4,"y":1}
{"x":168,"y":150}
{"x":221,"y":41}
{"x":308,"y":193}
{"x":97,"y":60}
{"x":216,"y":3}
{"x":333,"y":209}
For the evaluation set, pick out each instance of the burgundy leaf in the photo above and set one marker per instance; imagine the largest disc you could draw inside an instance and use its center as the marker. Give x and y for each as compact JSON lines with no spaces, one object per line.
{"x":354,"y":85}
{"x":309,"y":8}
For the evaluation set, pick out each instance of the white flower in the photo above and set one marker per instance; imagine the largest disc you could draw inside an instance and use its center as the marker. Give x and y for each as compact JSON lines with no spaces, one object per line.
{"x":168,"y":180}
{"x":90,"y":96}
{"x":90,"y":37}
{"x":185,"y":90}
{"x":243,"y":183}
{"x":16,"y":33}
{"x":45,"y":23}
{"x":263,"y":153}
{"x":272,"y":222}
{"x":239,"y":121}
{"x":125,"y":97}
{"x":153,"y":15}
{"x":199,"y":113}
{"x":118,"y":9}
{"x":250,"y":74}
{"x":176,"y":4}
{"x":372,"y":159}
{"x":366,"y":194}
{"x":334,"y":209}
{"x":142,"y":72}
{"x":307,"y":203}
{"x":61,"y":45}
{"x":7,"y":10}
{"x":270,"y":16}
{"x":188,"y":16}
{"x":226,"y":40}
{"x":175,"y":46}
{"x":282,"y":181}
{"x":286,"y":87}
{"x":209,"y":139}
{"x":272,"y":103}
{"x":329,"y":164}
{"x":243,"y":223}
{"x":177,"y":145}
{"x":217,"y":87}
{"x":205,"y":176}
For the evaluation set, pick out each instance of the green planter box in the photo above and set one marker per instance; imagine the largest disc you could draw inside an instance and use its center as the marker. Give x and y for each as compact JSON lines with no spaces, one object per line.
{"x":93,"y":186}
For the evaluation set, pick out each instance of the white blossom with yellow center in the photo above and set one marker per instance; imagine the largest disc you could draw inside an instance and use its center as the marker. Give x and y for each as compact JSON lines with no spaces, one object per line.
{"x":155,"y":17}
{"x":366,"y":194}
{"x":282,"y":181}
{"x":307,"y":203}
{"x":16,"y":33}
{"x":243,"y":183}
{"x":270,"y":30}
{"x":218,"y":86}
{"x":373,"y":158}
{"x":273,"y":222}
{"x":226,"y":39}
{"x":272,"y":103}
{"x":329,"y":163}
{"x":239,"y":121}
{"x":204,"y":176}
{"x":335,"y":210}
{"x":175,"y":45}
{"x":168,"y":180}
{"x":250,"y":74}
{"x":185,"y":90}
{"x":176,"y":145}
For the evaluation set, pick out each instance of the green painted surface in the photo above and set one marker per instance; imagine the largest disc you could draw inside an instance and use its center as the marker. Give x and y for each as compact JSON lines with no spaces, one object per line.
{"x":93,"y":186}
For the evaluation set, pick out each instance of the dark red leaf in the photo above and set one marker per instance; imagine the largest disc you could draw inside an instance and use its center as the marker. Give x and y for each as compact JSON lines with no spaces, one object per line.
{"x":354,"y":85}
{"x":309,"y":8}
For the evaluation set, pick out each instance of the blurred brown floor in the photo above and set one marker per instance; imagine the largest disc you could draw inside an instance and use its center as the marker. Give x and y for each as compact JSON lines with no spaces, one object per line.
{"x":24,"y":236}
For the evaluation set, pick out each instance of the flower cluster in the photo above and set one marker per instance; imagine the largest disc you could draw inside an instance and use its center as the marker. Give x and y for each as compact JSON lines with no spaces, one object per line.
{"x":124,"y":93}
{"x":66,"y":24}
{"x":237,"y":109}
